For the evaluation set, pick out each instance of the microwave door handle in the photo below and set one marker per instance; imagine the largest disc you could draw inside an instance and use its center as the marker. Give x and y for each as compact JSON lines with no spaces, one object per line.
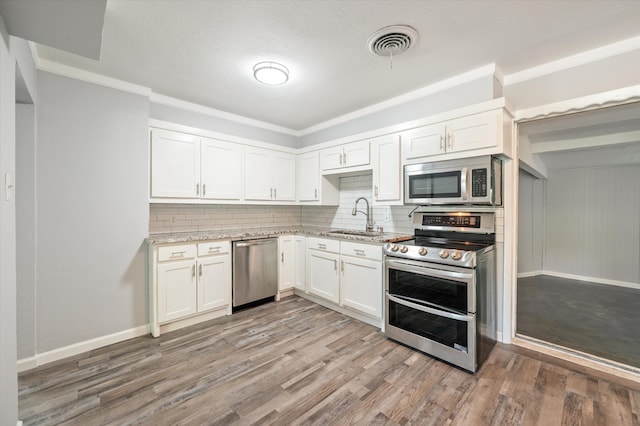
{"x":464,"y":183}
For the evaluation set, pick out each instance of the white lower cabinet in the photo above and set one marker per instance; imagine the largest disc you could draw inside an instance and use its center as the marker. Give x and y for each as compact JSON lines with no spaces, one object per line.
{"x":188,"y":280}
{"x":323,"y":279}
{"x":347,"y":274}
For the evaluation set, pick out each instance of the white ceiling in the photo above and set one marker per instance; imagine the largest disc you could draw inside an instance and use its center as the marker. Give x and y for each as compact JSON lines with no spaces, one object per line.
{"x":203,"y":51}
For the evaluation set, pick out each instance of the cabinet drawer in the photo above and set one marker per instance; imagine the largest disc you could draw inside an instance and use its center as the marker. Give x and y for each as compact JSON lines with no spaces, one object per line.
{"x":323,"y":244}
{"x":186,"y":251}
{"x":214,"y":247}
{"x":361,"y":250}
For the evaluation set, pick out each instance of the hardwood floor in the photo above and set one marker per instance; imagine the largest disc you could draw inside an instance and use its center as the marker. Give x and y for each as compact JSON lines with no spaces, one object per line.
{"x":294,"y":362}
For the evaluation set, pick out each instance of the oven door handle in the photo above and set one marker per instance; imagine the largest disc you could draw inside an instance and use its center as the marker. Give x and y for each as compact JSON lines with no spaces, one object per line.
{"x":428,"y":310}
{"x":419,"y":268}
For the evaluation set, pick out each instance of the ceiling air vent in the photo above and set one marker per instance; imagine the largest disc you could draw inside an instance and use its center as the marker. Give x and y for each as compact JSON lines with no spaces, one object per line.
{"x":392,"y":40}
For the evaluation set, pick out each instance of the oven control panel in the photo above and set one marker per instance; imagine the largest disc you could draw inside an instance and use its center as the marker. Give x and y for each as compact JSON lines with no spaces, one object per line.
{"x":408,"y":250}
{"x":451,"y":221}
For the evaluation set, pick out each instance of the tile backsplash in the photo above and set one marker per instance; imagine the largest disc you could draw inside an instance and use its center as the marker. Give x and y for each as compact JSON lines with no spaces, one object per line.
{"x":166,"y":218}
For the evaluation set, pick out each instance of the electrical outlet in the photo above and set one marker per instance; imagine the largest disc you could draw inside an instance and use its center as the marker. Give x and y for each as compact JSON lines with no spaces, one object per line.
{"x":173,"y":220}
{"x":387,"y":214}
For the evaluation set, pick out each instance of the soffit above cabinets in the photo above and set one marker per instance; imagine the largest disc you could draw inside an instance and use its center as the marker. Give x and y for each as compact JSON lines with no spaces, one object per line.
{"x":603,"y":137}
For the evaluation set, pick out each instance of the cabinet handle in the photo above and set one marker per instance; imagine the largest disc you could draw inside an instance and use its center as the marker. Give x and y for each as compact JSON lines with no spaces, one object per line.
{"x":193,"y":271}
{"x":449,"y":141}
{"x":322,"y":246}
{"x":178,"y":253}
{"x":441,"y":143}
{"x":315,"y":191}
{"x":359,"y":252}
{"x":342,"y":266}
{"x":216,"y":249}
{"x":200,"y":270}
{"x":271,"y":193}
{"x":275,"y":193}
{"x":345,"y":158}
{"x":204,"y":189}
{"x":282,"y":257}
{"x":341,"y":161}
{"x":335,"y":265}
{"x":375,"y":191}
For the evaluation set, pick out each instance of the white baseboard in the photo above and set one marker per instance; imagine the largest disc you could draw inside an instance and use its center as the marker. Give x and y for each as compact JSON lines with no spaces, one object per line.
{"x":19,"y":423}
{"x":80,"y":347}
{"x":581,"y":278}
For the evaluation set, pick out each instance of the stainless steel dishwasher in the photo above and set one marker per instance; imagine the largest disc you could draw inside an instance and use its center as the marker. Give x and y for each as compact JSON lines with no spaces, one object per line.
{"x":255,"y":270}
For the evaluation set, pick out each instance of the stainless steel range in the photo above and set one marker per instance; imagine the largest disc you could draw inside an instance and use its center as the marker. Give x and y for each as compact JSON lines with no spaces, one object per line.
{"x":440,"y":288}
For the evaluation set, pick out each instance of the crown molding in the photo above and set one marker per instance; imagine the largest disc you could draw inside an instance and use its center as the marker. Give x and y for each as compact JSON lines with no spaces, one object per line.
{"x":484,"y":71}
{"x":212,"y":112}
{"x":583,"y":58}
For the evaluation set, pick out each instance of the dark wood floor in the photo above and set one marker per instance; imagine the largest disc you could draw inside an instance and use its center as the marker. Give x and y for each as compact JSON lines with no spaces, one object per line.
{"x":294,"y":362}
{"x":597,"y":319}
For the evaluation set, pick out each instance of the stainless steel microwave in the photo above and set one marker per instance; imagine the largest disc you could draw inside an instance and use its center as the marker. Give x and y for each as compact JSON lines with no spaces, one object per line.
{"x":476,"y":180}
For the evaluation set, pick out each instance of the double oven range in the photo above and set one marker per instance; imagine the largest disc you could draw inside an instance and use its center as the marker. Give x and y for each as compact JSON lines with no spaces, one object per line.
{"x":440,"y":287}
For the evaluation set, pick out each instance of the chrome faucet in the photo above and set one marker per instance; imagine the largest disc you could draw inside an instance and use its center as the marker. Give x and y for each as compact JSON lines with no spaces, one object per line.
{"x":368,"y":214}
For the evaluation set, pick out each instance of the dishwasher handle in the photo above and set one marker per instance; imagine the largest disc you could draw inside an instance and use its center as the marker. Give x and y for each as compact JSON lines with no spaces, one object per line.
{"x":259,"y":242}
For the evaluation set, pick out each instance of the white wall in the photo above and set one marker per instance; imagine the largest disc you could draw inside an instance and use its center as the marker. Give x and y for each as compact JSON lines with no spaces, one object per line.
{"x":8,"y":370}
{"x":26,"y":229}
{"x":92,"y":211}
{"x":531,"y":209}
{"x":592,"y":223}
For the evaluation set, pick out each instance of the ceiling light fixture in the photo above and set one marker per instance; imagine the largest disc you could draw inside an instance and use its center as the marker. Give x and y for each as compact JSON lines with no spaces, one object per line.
{"x":271,"y":73}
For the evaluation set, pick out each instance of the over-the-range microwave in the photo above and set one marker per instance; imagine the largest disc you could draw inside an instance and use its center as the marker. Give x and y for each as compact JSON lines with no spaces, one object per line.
{"x":473,"y":181}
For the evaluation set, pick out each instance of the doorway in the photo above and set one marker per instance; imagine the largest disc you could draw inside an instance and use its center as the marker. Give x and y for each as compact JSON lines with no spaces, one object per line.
{"x":578,"y":284}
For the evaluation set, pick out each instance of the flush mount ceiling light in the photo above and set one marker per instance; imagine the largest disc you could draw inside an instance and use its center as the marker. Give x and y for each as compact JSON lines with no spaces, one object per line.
{"x":271,"y":73}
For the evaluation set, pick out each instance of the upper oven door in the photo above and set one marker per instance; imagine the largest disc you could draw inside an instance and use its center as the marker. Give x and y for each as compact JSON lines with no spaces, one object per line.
{"x":425,"y":185}
{"x":442,"y":287}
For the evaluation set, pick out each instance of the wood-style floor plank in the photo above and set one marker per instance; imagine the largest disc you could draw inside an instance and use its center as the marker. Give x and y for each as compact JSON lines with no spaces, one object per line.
{"x":293,"y":362}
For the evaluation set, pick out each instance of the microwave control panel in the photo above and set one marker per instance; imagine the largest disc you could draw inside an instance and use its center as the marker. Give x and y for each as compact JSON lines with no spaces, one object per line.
{"x":479,"y":182}
{"x":452,"y":221}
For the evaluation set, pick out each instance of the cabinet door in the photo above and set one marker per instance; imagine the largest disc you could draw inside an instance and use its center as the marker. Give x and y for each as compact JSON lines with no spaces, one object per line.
{"x":322,"y":275}
{"x":214,"y":282}
{"x":423,"y":141}
{"x":283,"y":172}
{"x":331,"y":158}
{"x":257,"y":174}
{"x":287,"y":262}
{"x":361,"y":287}
{"x":356,"y":154}
{"x":300,"y":279}
{"x":176,"y":290}
{"x":473,"y":132}
{"x":387,"y":170}
{"x":175,"y":165}
{"x":220,"y":171}
{"x":308,"y":176}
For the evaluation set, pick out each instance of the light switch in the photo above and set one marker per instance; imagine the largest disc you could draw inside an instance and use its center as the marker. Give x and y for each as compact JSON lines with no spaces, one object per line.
{"x":8,"y":186}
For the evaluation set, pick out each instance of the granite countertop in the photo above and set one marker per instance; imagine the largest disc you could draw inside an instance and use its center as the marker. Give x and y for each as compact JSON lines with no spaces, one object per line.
{"x":252,"y":234}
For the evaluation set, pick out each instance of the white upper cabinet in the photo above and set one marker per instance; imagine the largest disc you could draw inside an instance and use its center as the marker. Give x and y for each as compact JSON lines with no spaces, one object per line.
{"x":187,"y":166}
{"x":220,"y":170}
{"x":353,"y":154}
{"x":387,"y":170}
{"x":474,"y":132}
{"x":269,"y":175}
{"x":309,"y":176}
{"x":175,"y":165}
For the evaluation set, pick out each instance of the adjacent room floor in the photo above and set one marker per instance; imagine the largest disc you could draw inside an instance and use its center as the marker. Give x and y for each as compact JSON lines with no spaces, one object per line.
{"x":599,"y":319}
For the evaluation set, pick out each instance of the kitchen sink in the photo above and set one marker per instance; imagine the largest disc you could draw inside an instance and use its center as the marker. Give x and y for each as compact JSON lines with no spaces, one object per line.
{"x":358,"y":233}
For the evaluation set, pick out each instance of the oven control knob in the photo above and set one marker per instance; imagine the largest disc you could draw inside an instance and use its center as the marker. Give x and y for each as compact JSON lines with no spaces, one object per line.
{"x":404,"y":249}
{"x":444,"y":254}
{"x":394,"y":248}
{"x":422,"y":251}
{"x":456,"y":255}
